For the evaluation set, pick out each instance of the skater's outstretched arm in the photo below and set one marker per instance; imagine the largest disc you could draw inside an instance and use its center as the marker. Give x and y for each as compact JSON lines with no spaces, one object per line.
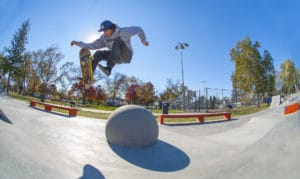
{"x":97,"y":44}
{"x":135,"y":30}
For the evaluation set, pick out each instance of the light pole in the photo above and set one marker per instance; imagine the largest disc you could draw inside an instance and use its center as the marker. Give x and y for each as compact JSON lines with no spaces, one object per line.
{"x":205,"y":93}
{"x":181,"y":46}
{"x":199,"y":99}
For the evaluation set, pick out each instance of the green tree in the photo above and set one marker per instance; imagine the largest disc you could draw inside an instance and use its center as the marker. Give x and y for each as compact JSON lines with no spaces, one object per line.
{"x":26,"y":73}
{"x":288,"y":76}
{"x":172,"y":92}
{"x":253,"y":73}
{"x":270,"y":74}
{"x":2,"y":79}
{"x":1,"y":63}
{"x":242,"y":56}
{"x":33,"y":84}
{"x":14,"y":55}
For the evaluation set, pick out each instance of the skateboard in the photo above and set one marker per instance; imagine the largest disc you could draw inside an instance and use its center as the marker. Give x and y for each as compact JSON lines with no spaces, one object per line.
{"x":86,"y":60}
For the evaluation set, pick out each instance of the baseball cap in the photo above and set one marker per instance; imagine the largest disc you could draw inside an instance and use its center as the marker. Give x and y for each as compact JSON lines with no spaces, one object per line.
{"x":105,"y":25}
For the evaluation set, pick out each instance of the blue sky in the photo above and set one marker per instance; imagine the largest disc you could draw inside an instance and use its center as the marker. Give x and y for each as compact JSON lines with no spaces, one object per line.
{"x":211,"y":27}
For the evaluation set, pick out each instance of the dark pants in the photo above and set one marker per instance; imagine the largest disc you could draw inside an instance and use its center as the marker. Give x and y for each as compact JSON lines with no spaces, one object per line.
{"x":119,"y":53}
{"x":72,"y":104}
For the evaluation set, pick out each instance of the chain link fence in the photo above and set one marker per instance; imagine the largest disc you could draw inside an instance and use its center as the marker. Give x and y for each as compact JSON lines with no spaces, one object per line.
{"x":215,"y":99}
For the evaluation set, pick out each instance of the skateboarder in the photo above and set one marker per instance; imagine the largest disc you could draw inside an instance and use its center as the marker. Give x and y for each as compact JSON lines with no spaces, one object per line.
{"x":117,"y":40}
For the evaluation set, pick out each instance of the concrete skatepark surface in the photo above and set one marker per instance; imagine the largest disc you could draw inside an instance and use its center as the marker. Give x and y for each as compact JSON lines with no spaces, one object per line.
{"x":36,"y":144}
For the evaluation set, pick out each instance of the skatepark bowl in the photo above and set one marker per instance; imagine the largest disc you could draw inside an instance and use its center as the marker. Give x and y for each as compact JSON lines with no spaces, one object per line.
{"x":35,"y":144}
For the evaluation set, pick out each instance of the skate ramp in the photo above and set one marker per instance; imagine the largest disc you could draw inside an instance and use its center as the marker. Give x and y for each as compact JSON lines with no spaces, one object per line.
{"x":275,"y":101}
{"x":275,"y":156}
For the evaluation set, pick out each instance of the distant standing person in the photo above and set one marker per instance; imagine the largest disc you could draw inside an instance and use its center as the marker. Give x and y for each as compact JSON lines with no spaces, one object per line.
{"x":117,"y":40}
{"x":72,"y":102}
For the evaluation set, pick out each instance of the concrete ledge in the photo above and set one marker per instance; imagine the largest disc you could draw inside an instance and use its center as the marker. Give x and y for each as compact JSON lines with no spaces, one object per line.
{"x":292,"y":108}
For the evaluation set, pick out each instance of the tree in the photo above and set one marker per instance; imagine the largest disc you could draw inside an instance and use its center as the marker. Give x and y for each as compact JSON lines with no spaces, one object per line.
{"x":172,"y":92}
{"x":140,"y":94}
{"x":26,"y":73}
{"x":78,"y":89}
{"x":270,"y":74}
{"x":1,"y":63}
{"x":90,"y":94}
{"x":132,"y":80}
{"x":145,"y":94}
{"x":253,"y":73}
{"x":52,"y":90}
{"x":2,"y":78}
{"x":131,"y":93}
{"x":14,"y":55}
{"x":114,"y":85}
{"x":101,"y":96}
{"x":46,"y":65}
{"x":242,"y":55}
{"x":68,"y":74}
{"x":288,"y":76}
{"x":33,"y":84}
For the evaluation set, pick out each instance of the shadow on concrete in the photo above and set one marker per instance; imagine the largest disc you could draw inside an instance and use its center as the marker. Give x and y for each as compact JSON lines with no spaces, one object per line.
{"x":90,"y":172}
{"x":52,"y":112}
{"x":4,"y":118}
{"x":197,"y":123}
{"x":161,"y":156}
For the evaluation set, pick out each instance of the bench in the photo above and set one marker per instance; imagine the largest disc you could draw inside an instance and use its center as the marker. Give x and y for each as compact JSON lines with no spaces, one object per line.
{"x":49,"y":107}
{"x":199,"y":116}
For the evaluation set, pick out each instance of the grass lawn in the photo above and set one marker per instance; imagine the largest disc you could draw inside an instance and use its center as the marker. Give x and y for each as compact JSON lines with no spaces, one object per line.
{"x":245,"y":110}
{"x":238,"y":111}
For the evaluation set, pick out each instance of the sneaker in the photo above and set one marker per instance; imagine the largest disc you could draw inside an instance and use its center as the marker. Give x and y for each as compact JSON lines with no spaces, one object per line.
{"x":105,"y":70}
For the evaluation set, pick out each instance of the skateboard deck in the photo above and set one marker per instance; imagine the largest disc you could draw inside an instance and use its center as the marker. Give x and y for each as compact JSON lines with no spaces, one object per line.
{"x":86,"y":67}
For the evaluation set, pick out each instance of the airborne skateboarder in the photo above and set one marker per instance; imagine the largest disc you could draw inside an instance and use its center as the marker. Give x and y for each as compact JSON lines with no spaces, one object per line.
{"x":117,"y":40}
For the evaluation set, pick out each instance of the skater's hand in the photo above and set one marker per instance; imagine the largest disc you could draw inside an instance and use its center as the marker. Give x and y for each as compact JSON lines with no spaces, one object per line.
{"x":74,"y":43}
{"x":146,"y":43}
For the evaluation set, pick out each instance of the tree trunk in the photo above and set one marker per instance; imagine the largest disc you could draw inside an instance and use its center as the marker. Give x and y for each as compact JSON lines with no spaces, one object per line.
{"x":113,"y":98}
{"x":257,"y":100}
{"x":8,"y":82}
{"x":84,"y":100}
{"x":21,"y":88}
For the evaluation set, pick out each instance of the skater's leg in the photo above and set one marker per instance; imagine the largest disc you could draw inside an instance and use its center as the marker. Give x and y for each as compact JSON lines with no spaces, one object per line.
{"x":120,"y":53}
{"x":99,"y":56}
{"x":126,"y":53}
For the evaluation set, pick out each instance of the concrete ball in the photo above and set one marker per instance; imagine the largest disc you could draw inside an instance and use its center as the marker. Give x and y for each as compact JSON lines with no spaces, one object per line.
{"x":131,"y":126}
